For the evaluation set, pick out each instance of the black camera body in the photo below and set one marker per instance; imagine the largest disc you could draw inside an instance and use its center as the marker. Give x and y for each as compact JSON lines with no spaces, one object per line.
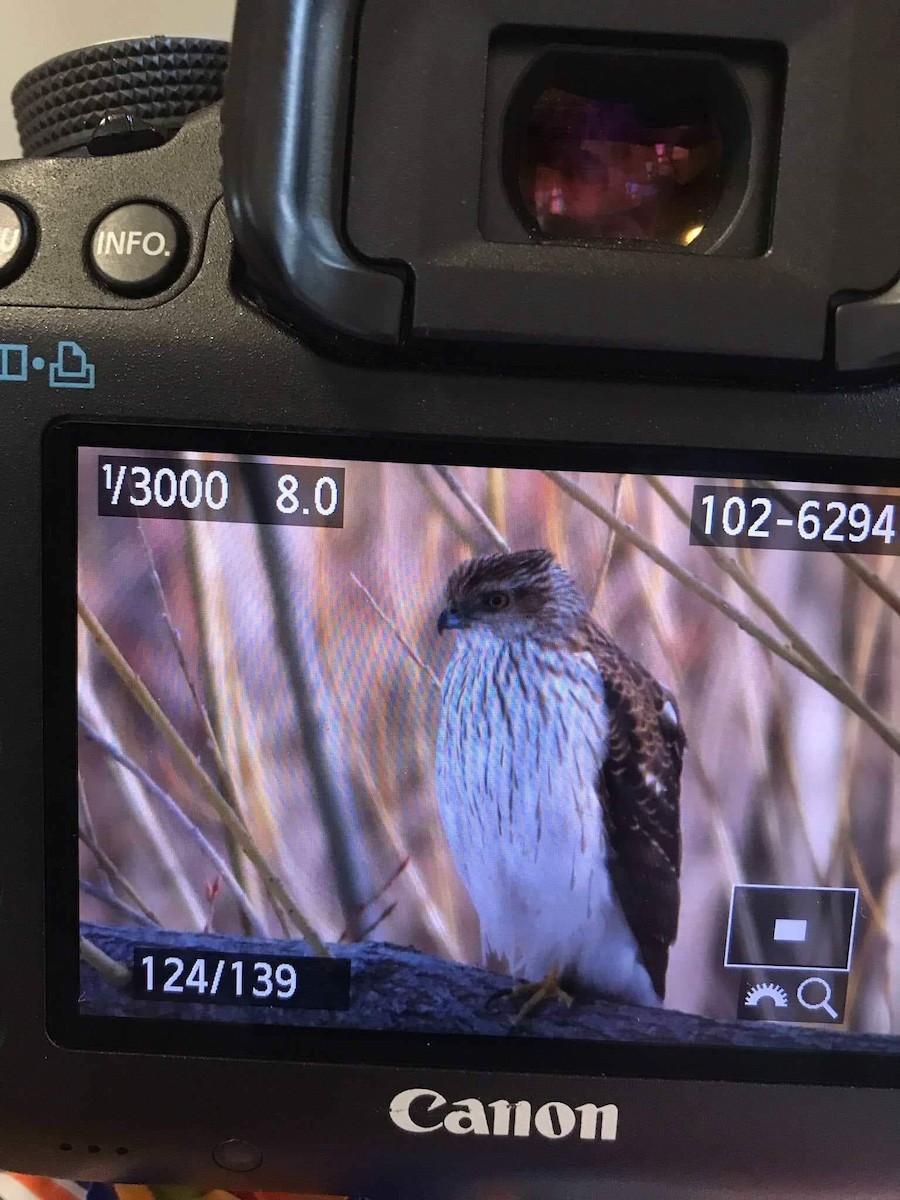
{"x":308,"y":268}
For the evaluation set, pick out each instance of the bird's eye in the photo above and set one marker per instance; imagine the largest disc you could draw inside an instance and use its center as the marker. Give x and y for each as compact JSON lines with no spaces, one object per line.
{"x":495,"y":601}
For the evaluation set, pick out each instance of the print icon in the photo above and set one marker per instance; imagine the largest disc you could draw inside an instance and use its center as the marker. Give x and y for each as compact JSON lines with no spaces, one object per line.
{"x":71,"y":369}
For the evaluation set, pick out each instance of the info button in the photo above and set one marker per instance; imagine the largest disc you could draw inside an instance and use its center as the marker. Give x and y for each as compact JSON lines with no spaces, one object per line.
{"x":796,"y":928}
{"x":138,"y":249}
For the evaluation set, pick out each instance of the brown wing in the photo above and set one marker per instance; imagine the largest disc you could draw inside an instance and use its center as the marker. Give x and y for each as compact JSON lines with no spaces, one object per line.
{"x":640,"y":789}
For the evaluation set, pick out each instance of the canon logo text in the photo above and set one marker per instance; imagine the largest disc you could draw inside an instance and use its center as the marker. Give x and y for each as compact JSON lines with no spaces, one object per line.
{"x":421,"y":1110}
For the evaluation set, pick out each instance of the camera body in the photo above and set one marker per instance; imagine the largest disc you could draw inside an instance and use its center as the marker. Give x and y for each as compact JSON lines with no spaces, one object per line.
{"x":303,"y":302}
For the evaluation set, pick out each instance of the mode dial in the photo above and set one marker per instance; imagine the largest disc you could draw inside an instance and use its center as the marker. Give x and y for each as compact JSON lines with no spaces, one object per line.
{"x":117,"y":96}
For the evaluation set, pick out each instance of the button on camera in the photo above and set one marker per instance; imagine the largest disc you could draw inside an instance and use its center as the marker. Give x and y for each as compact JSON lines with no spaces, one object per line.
{"x":16,"y":241}
{"x":234,"y":1154}
{"x":138,"y":250}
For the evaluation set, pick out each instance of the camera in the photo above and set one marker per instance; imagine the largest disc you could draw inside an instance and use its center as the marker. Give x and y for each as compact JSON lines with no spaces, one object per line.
{"x":450,"y":632}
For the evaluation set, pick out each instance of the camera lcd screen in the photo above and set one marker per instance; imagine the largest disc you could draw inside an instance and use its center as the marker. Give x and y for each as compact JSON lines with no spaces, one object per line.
{"x":398,"y":746}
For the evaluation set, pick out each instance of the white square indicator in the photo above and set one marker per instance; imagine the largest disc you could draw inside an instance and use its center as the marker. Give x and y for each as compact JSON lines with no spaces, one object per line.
{"x":790,"y":931}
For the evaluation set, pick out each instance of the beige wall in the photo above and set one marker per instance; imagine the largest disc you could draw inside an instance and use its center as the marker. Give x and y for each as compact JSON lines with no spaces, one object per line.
{"x":34,"y":30}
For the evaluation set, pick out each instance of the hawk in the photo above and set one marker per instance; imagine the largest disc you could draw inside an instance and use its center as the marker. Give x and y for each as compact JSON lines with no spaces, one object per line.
{"x":558,"y":779}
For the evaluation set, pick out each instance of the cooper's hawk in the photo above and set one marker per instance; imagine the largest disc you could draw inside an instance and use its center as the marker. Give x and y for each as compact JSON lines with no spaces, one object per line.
{"x":558,"y":779}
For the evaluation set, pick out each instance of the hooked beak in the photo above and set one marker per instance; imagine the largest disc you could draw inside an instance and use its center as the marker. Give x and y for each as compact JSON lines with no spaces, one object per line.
{"x":450,"y":619}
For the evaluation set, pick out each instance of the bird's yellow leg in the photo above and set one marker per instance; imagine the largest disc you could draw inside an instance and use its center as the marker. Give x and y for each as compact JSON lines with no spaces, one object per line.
{"x":536,"y":994}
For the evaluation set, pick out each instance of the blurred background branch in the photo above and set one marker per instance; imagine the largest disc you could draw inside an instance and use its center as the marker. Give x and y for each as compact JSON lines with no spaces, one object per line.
{"x":473,"y":508}
{"x":335,"y":804}
{"x":107,"y":968}
{"x":187,"y":829}
{"x":225,"y":778}
{"x":189,"y":763}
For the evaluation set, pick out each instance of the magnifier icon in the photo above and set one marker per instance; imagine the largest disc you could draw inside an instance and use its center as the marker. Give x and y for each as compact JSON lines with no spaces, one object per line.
{"x":824,"y":1004}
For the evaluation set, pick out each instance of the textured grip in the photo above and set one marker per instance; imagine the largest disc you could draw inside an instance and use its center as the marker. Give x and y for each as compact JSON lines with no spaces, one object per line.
{"x":161,"y":80}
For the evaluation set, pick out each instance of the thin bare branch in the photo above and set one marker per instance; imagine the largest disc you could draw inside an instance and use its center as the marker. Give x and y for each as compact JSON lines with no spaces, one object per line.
{"x":828,"y":679}
{"x":391,"y":880}
{"x":474,"y":509}
{"x":867,"y":626}
{"x":228,"y":713}
{"x":442,"y":508}
{"x":115,"y":876}
{"x":852,"y":562}
{"x":373,"y":900}
{"x":369,"y":929}
{"x":781,"y":718}
{"x":85,"y":819}
{"x":825,"y":674}
{"x":193,"y":770}
{"x":397,"y":632}
{"x":735,"y":571}
{"x":115,"y":972}
{"x":136,"y":805}
{"x":432,"y":912}
{"x":608,"y":549}
{"x":872,"y":580}
{"x":496,"y":497}
{"x":228,"y":785}
{"x":178,"y":644}
{"x":108,"y":897}
{"x":332,"y":798}
{"x":186,"y":826}
{"x":734,"y":868}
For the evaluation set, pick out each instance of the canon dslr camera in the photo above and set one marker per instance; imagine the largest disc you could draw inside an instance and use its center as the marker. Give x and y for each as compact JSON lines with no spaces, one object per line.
{"x":450,"y":516}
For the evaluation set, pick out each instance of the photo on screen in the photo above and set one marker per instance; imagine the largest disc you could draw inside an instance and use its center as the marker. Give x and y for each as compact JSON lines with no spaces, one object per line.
{"x":402,"y":747}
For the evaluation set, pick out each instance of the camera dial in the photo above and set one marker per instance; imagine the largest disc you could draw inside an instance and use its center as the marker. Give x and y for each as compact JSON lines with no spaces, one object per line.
{"x":117,"y":97}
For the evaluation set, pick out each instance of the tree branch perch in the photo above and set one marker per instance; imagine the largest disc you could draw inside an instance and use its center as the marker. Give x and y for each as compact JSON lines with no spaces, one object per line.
{"x":402,"y":990}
